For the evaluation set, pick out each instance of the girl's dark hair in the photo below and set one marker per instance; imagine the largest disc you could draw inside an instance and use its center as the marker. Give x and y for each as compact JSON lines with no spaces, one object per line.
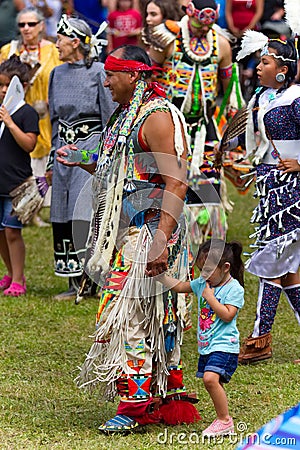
{"x":13,"y":66}
{"x":287,"y":50}
{"x":137,"y":54}
{"x":220,"y":252}
{"x":169,"y":9}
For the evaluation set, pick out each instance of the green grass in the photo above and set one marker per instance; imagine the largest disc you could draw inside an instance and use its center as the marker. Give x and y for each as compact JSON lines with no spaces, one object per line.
{"x":43,"y":341}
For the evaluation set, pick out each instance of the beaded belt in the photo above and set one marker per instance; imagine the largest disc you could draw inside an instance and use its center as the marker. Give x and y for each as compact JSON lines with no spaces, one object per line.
{"x":80,"y":130}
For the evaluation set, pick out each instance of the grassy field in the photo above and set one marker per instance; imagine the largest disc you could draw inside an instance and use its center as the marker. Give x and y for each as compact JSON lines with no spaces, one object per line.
{"x":43,"y":341}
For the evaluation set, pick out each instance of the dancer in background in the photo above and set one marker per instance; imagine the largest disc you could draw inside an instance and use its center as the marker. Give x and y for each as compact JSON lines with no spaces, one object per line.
{"x":194,"y":59}
{"x":79,"y":108}
{"x":272,"y":140}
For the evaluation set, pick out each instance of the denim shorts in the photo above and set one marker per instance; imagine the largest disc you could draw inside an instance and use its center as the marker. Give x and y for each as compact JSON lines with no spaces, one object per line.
{"x":6,"y":219}
{"x":224,"y":364}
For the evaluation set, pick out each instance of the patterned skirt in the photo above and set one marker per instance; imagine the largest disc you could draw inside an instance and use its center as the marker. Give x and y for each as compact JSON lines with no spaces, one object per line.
{"x":278,"y":216}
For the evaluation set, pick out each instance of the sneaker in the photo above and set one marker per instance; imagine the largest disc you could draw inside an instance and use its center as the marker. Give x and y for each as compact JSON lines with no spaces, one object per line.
{"x":119,"y":424}
{"x":219,"y":428}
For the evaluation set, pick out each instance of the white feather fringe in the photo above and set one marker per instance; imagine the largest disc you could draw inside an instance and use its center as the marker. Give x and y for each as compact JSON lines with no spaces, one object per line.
{"x":251,"y":42}
{"x":198,"y":151}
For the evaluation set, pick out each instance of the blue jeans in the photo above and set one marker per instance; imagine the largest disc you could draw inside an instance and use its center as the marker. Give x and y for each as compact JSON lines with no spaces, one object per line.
{"x":224,"y":364}
{"x":6,"y":219}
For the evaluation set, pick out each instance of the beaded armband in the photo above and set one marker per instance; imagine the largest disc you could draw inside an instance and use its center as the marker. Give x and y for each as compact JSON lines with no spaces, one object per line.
{"x":225,"y":72}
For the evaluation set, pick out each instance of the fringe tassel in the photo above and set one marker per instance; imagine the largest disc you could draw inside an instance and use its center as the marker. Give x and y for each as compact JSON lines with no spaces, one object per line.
{"x":98,"y":264}
{"x":198,"y":151}
{"x":179,"y":123}
{"x":259,"y":341}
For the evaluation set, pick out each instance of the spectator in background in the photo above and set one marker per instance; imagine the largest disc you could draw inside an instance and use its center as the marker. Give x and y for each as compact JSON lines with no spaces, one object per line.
{"x":242,"y":15}
{"x":125,"y":25}
{"x":17,"y":141}
{"x":273,"y":10}
{"x":8,"y":13}
{"x":42,"y":56}
{"x":195,"y":62}
{"x":111,"y":5}
{"x":52,"y":21}
{"x":51,"y":10}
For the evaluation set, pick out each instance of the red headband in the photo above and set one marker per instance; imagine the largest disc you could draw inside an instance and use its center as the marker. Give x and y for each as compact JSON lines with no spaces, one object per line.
{"x":125,"y":65}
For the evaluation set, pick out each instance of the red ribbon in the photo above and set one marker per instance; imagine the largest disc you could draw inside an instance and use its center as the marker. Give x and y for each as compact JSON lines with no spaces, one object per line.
{"x":157,"y":89}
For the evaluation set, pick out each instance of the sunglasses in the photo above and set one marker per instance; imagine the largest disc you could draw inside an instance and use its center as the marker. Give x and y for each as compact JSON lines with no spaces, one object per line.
{"x":30,"y":24}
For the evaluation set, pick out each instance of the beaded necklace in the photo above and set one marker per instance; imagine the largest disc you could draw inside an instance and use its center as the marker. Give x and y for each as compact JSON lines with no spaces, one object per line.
{"x":120,"y":127}
{"x":196,"y":52}
{"x":32,"y":55}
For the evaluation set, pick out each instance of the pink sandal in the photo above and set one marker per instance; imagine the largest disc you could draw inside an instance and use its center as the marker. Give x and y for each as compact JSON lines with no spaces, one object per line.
{"x":5,"y":282}
{"x":15,"y":290}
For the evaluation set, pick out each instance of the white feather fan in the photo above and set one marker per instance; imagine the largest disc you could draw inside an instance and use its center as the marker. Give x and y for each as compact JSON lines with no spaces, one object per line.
{"x":251,"y":42}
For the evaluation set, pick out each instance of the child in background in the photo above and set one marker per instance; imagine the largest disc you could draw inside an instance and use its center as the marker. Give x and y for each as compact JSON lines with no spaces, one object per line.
{"x":220,"y":295}
{"x":17,"y":141}
{"x":124,"y":25}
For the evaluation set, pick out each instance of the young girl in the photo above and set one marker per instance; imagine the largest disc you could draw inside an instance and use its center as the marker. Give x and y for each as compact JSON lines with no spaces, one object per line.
{"x":17,"y":141}
{"x":220,"y":295}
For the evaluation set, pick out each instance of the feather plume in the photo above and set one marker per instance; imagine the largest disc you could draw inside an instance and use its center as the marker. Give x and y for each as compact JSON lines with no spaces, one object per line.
{"x":251,"y":42}
{"x":291,"y":16}
{"x":236,"y":127}
{"x":225,"y":33}
{"x":163,"y":34}
{"x":28,"y":197}
{"x":98,"y":41}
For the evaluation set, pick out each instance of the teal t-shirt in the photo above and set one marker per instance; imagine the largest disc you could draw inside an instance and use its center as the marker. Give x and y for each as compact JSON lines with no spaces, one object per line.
{"x":214,"y":334}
